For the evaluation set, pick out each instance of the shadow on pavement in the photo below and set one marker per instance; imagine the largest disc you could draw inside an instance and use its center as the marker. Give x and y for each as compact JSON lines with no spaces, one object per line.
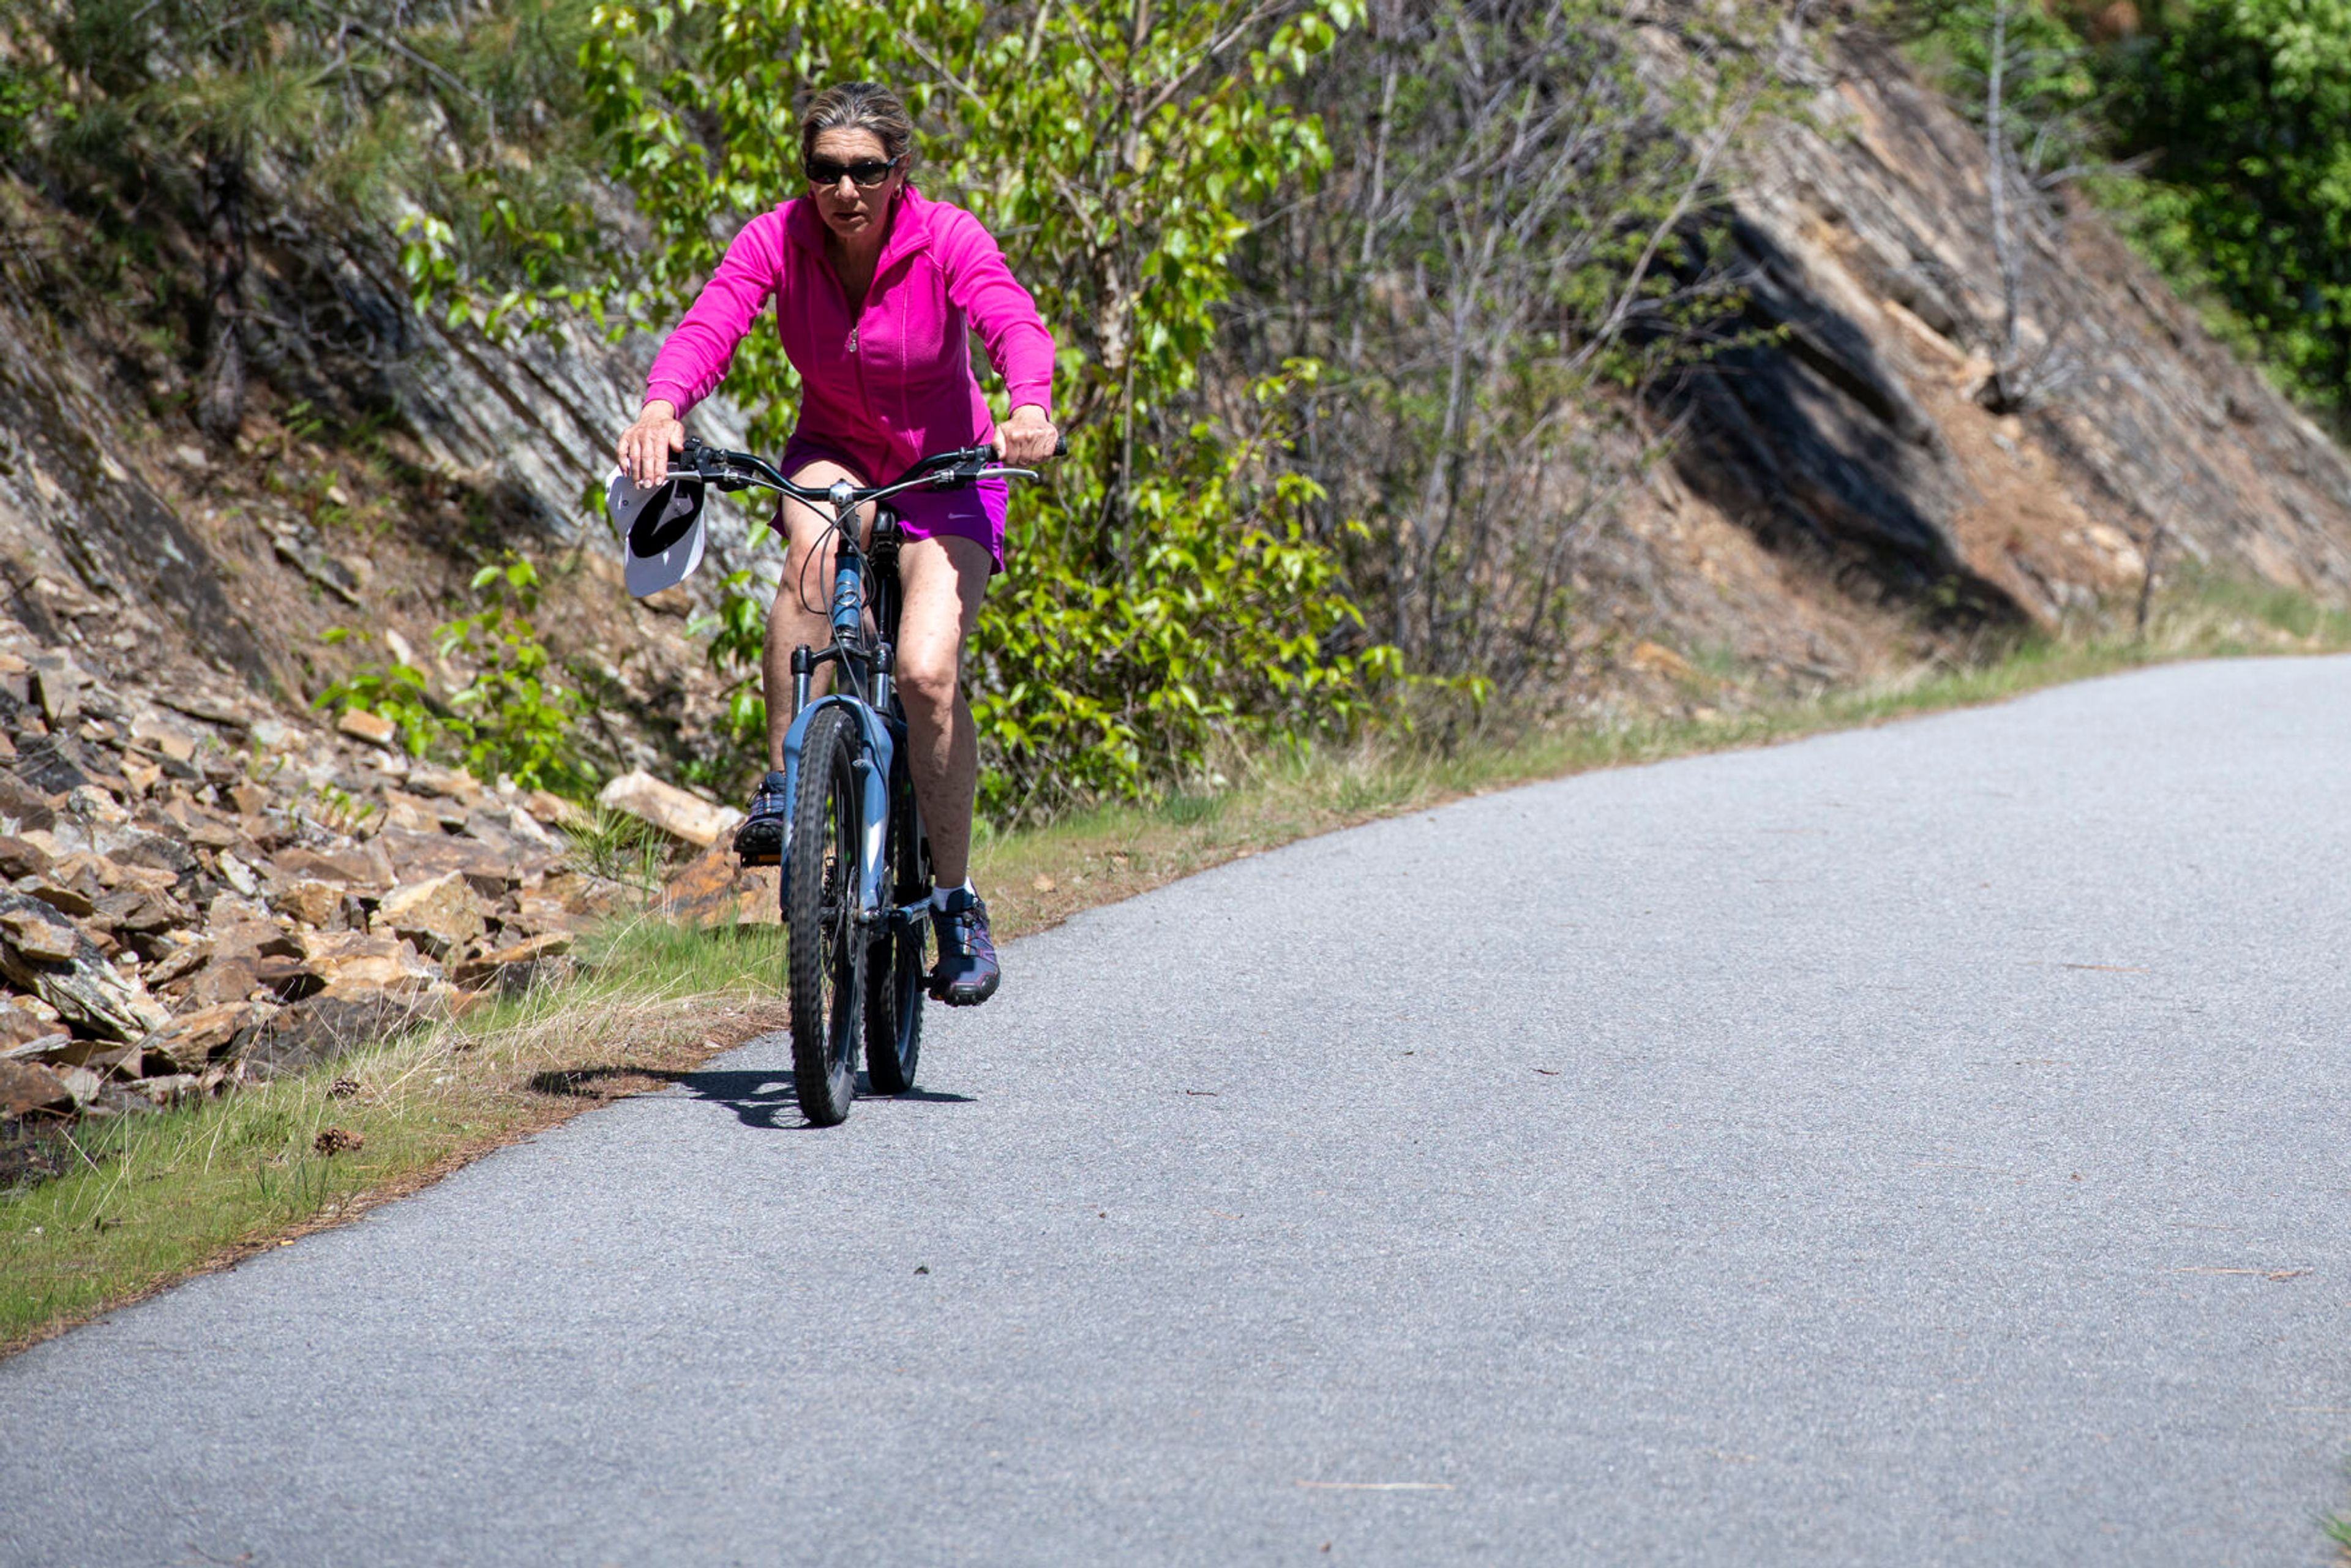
{"x":756,"y":1098}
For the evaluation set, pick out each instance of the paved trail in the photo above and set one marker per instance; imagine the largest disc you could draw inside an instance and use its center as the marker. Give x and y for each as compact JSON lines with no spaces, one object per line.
{"x":1922,"y":1145}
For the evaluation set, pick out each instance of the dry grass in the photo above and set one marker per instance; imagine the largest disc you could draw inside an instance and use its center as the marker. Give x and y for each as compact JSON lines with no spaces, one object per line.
{"x":166,"y":1196}
{"x":162,"y":1196}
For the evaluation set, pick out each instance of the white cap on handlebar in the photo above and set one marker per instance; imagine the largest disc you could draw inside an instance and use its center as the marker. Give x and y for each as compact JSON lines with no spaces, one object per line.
{"x":663,"y":526}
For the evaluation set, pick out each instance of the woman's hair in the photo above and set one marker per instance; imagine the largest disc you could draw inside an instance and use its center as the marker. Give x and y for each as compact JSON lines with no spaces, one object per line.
{"x":859,"y":106}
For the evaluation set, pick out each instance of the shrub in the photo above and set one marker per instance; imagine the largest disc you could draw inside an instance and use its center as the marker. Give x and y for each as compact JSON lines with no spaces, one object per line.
{"x":513,"y":716}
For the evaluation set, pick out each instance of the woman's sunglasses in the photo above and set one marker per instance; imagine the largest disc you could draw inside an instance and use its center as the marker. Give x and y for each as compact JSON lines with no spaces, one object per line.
{"x":824,"y":172}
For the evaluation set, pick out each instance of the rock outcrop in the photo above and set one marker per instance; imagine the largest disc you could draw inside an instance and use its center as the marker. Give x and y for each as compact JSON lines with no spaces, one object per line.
{"x":189,"y":901}
{"x":1873,"y":432}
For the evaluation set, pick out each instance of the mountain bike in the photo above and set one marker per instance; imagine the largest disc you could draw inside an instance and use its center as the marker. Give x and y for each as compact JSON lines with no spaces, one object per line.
{"x":856,"y":863}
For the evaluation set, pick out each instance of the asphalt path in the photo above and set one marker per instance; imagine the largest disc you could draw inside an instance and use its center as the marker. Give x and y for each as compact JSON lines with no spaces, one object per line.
{"x":1924,"y":1145}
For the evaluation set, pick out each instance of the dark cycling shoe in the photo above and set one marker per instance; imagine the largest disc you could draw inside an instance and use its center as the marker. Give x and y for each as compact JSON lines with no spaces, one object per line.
{"x":761,"y":840}
{"x":966,"y":975}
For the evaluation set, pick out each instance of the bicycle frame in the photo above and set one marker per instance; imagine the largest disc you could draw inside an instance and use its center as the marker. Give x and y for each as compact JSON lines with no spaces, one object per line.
{"x":862,"y":663}
{"x":883,"y":732}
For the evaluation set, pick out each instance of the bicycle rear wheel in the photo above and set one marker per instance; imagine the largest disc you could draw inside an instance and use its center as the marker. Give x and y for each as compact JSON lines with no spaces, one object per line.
{"x":899,"y":963}
{"x":826,"y":964}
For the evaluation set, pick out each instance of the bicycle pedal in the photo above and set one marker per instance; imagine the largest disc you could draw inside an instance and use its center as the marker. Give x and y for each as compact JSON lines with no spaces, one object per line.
{"x":756,"y":859}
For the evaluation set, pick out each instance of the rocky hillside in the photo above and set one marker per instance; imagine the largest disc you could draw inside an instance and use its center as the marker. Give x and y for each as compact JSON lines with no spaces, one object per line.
{"x":206,"y":880}
{"x":1866,"y":477}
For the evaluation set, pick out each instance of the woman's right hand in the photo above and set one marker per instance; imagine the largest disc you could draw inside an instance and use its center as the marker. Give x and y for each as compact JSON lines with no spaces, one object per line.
{"x":645,"y":446}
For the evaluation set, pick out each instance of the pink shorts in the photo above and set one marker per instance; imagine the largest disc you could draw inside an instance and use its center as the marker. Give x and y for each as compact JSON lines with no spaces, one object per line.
{"x":973,"y":512}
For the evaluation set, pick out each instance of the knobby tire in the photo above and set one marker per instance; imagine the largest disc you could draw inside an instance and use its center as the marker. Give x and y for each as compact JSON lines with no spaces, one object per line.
{"x":827,"y":959}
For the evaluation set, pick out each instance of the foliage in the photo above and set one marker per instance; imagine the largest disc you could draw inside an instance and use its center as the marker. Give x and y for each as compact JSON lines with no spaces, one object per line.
{"x":617,"y":847}
{"x":1228,"y":621}
{"x":2051,"y":87}
{"x":392,"y":690}
{"x":2220,"y":138}
{"x":1125,"y":235}
{"x":2244,"y":107}
{"x":511,"y":717}
{"x":1531,"y":229}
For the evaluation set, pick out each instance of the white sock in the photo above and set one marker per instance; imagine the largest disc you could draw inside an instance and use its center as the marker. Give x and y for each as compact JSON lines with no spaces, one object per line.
{"x":939,"y":895}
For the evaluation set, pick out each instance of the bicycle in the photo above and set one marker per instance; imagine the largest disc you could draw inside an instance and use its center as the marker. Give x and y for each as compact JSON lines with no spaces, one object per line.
{"x":862,"y":888}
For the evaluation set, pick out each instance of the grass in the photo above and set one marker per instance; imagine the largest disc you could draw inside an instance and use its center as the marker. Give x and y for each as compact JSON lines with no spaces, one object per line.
{"x":157,"y":1197}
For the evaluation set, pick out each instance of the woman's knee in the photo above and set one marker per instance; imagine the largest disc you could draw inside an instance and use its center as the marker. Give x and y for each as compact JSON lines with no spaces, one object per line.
{"x":926,"y":677}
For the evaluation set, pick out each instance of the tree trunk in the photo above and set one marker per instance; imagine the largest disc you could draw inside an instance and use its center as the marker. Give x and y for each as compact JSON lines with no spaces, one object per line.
{"x":220,"y":399}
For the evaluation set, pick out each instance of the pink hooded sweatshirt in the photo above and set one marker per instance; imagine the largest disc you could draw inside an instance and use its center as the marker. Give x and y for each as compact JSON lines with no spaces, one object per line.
{"x":895,"y":384}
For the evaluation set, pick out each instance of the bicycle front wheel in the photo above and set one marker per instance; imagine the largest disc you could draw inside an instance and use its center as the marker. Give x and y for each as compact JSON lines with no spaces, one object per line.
{"x":825,"y":965}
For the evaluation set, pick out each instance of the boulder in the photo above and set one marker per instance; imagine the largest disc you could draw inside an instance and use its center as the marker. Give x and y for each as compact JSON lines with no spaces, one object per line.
{"x":553,"y":810}
{"x":42,"y":953}
{"x":225,"y":907}
{"x":237,"y":979}
{"x":513,"y":965}
{"x":50,"y":765}
{"x":193,"y":1038}
{"x":239,"y":875}
{"x":139,"y":913}
{"x":106,"y":1061}
{"x":489,"y":824}
{"x":192,"y":954}
{"x":28,"y":1089}
{"x":441,"y":915}
{"x":208,"y":834}
{"x":22,"y":858}
{"x":168,"y":740}
{"x":331,"y":1023}
{"x":373,"y":728}
{"x":37,"y":938}
{"x":715,"y":891}
{"x":22,"y":1020}
{"x":355,"y":960}
{"x":253,"y":939}
{"x":64,"y":897}
{"x":410,"y":813}
{"x":48,"y":1048}
{"x":596,"y":897}
{"x":221,"y":982}
{"x":141,"y":849}
{"x":665,"y":806}
{"x":537,"y":913}
{"x":59,"y":682}
{"x":512,"y":829}
{"x":452,"y":783}
{"x":367,"y":868}
{"x":312,"y":902}
{"x":420,"y":856}
{"x":170,"y":1088}
{"x":25,"y":806}
{"x":81,"y":1083}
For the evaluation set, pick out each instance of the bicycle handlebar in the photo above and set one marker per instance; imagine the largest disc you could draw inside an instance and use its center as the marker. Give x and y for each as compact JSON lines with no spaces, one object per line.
{"x":940,"y":471}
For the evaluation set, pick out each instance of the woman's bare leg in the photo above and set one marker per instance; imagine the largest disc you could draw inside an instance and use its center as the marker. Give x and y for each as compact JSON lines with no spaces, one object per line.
{"x":943,"y":581}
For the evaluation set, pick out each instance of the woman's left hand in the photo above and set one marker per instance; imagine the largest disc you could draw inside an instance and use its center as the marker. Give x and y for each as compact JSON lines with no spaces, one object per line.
{"x":1027,"y":438}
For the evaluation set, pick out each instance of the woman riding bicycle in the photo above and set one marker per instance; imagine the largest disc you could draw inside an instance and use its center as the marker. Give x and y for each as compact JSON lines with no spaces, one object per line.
{"x":876,"y":288}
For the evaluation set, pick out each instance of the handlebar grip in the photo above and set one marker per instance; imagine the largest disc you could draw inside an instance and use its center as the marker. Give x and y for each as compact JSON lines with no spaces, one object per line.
{"x":1060,"y":445}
